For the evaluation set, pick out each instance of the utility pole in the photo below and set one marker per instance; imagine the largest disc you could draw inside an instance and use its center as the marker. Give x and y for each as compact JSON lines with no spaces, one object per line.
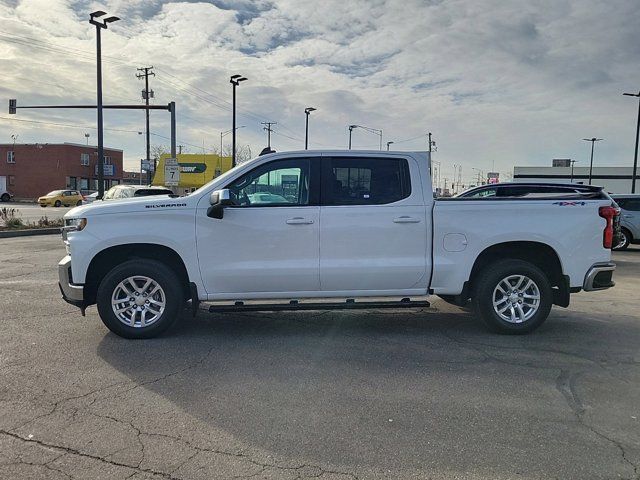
{"x":429,"y":142}
{"x":146,"y":94}
{"x":593,"y":141}
{"x":635,"y":156}
{"x":389,"y":143}
{"x":572,"y":162}
{"x":269,"y":130}
{"x":180,"y":149}
{"x":351,"y":127}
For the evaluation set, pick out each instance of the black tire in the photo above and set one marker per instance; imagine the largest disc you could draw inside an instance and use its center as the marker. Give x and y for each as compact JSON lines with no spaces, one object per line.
{"x":5,"y":197}
{"x":158,"y":272}
{"x":486,"y":281}
{"x":57,"y":204}
{"x":625,"y":240}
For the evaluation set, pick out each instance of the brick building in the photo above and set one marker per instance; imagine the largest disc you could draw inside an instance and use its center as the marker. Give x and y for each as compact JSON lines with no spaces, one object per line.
{"x":31,"y":170}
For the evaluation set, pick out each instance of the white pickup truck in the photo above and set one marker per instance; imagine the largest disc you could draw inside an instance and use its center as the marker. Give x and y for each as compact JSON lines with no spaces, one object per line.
{"x":285,"y":230}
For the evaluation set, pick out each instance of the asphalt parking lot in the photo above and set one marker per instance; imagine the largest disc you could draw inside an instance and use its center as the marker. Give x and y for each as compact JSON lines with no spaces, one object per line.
{"x":426,"y":394}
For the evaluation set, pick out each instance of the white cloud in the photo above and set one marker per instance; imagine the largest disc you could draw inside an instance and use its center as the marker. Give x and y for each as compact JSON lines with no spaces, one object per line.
{"x":505,"y":82}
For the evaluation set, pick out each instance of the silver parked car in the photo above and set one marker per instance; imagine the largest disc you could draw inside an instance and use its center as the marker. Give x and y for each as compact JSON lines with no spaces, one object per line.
{"x":629,"y":220}
{"x":129,"y":191}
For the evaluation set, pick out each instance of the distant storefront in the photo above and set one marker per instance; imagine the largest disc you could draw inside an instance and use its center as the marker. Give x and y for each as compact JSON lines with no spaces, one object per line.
{"x":32,"y":170}
{"x":613,"y":179}
{"x":195,"y":170}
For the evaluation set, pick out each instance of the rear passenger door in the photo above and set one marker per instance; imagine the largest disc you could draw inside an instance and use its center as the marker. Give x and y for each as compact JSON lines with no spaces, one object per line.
{"x":374,"y":234}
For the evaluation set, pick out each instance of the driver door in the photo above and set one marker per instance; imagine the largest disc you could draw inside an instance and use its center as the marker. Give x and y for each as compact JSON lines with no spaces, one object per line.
{"x":267,"y":243}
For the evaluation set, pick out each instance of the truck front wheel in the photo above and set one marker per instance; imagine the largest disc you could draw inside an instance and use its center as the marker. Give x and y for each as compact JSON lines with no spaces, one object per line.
{"x":139,"y":299}
{"x":512,"y":296}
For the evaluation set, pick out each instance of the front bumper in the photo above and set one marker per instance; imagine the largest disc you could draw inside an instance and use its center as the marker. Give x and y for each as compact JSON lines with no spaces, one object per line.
{"x":71,"y":293}
{"x":599,"y":277}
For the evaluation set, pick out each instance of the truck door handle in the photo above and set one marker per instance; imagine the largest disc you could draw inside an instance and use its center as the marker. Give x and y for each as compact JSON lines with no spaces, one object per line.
{"x":406,"y":219}
{"x":299,"y":221}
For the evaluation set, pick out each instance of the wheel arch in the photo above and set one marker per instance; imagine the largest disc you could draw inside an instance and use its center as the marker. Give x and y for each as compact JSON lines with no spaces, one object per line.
{"x":539,"y":254}
{"x":112,"y":256}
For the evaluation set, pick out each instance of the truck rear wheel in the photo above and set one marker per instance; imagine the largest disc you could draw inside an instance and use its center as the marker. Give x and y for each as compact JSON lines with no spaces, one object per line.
{"x":512,"y":296}
{"x":139,"y":299}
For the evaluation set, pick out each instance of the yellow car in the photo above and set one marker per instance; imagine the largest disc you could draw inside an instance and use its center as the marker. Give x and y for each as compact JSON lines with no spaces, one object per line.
{"x":57,"y":198}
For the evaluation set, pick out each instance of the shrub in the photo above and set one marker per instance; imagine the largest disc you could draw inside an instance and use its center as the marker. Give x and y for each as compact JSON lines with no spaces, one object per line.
{"x":10,"y":217}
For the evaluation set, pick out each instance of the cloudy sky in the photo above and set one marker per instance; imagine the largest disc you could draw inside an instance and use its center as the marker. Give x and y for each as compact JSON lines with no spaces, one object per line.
{"x":497,"y":82}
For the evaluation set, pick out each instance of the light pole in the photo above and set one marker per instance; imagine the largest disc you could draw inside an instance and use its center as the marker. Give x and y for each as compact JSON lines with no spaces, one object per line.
{"x":307,"y":111}
{"x":235,"y":81}
{"x":86,"y":135}
{"x":368,"y":129}
{"x":593,"y":141}
{"x":572,"y":162}
{"x":99,"y":27}
{"x":389,"y":143}
{"x":635,"y":156}
{"x":225,"y":133}
{"x":351,"y":127}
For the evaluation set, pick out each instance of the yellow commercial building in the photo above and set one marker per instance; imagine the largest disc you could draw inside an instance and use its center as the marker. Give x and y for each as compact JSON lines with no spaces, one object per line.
{"x":196,"y":169}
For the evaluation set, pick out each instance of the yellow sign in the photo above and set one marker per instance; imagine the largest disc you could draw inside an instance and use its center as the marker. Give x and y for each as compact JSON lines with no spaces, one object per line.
{"x":196,"y":169}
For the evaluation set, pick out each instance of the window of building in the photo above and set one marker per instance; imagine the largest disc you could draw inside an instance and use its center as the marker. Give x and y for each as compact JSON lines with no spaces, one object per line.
{"x":11,"y":156}
{"x":72,"y":182}
{"x":84,"y":184}
{"x":365,"y":181}
{"x":84,"y":159}
{"x":107,"y":160}
{"x":12,"y":179}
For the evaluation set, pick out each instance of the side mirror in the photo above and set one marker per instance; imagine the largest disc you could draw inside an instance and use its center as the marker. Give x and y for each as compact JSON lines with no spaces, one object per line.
{"x":218,"y":200}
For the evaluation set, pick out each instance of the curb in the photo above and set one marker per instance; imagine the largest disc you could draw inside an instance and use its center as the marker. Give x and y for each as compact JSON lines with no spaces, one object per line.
{"x":29,"y":232}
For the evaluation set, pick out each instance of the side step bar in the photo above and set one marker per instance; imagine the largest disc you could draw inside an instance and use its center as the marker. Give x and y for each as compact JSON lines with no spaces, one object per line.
{"x":295,"y":305}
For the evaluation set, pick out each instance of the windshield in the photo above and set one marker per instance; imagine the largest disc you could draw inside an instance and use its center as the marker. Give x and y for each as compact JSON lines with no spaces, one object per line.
{"x":55,"y":193}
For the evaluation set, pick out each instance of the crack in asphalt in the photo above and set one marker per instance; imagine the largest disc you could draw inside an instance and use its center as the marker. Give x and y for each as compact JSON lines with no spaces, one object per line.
{"x":169,"y":475}
{"x":73,"y":451}
{"x":566,"y":385}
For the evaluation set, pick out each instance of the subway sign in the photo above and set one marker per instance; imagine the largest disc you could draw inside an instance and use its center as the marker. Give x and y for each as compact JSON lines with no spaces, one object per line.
{"x":193,"y":167}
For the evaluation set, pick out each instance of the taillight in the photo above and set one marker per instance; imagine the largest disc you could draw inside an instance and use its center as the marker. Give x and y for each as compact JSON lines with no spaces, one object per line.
{"x":608,"y":213}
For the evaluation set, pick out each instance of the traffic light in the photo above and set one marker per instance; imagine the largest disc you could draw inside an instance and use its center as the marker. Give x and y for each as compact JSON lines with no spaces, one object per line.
{"x":13,"y":104}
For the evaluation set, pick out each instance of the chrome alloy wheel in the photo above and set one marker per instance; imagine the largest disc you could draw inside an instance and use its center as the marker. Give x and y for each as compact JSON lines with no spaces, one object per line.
{"x":516,"y":298}
{"x":138,"y":301}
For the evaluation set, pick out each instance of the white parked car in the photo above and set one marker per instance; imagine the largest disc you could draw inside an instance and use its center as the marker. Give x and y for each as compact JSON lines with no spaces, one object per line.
{"x":90,"y":198}
{"x":354,"y":225}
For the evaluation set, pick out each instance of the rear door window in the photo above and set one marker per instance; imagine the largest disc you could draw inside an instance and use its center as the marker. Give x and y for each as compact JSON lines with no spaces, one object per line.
{"x":365,"y":181}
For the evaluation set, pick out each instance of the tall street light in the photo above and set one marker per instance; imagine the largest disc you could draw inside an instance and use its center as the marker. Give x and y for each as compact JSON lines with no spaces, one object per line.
{"x":572,"y":162}
{"x":99,"y":27}
{"x":351,"y":127}
{"x":375,"y":131}
{"x":389,"y":143}
{"x":635,"y":156}
{"x":307,"y":111}
{"x":225,"y":133}
{"x":235,"y":81}
{"x":593,"y":141}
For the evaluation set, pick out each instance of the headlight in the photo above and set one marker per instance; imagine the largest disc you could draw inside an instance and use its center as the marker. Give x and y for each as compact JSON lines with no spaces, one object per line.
{"x":75,"y":224}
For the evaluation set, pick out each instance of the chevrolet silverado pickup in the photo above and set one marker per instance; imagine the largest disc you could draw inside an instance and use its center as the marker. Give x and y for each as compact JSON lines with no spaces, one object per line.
{"x":334,"y":229}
